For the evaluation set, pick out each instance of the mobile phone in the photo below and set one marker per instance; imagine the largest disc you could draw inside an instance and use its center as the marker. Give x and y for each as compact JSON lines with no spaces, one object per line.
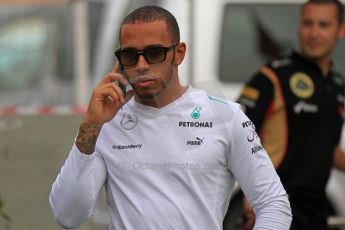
{"x":124,"y":88}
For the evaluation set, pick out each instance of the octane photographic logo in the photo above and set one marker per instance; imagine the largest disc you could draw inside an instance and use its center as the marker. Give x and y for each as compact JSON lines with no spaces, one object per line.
{"x":129,"y":121}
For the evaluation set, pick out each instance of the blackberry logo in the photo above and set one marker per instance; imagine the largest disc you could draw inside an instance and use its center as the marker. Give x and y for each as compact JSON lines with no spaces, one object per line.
{"x":131,"y":146}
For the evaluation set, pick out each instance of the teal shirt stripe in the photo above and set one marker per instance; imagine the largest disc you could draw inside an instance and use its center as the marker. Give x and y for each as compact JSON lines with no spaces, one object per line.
{"x":217,"y":99}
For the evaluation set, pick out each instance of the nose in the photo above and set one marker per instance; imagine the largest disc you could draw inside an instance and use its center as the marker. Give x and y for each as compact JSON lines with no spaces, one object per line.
{"x":142,"y":63}
{"x":314,"y":30}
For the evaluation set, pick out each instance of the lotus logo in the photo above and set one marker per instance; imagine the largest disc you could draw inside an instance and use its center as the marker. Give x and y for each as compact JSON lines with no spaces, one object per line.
{"x":129,"y":121}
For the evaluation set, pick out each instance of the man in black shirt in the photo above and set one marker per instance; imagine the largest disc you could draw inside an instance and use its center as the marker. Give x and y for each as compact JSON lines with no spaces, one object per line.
{"x":297,"y":106}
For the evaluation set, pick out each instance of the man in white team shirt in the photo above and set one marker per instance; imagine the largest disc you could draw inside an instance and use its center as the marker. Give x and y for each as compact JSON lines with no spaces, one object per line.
{"x":170,"y":155}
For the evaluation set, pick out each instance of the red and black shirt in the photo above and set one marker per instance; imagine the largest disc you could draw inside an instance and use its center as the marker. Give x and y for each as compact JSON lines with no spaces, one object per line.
{"x":298,"y":114}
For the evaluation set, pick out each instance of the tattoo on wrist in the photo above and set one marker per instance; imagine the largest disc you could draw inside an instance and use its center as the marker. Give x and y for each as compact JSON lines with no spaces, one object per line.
{"x":87,"y":137}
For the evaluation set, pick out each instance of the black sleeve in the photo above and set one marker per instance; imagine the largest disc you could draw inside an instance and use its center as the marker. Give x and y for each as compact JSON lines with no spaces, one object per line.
{"x":256,"y":98}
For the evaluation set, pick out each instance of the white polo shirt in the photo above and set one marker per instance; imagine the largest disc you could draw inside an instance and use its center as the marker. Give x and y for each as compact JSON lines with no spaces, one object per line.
{"x":172,"y":168}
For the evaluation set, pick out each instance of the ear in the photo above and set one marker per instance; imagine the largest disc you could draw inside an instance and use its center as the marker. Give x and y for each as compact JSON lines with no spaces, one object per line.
{"x":180,"y":53}
{"x":342,"y":31}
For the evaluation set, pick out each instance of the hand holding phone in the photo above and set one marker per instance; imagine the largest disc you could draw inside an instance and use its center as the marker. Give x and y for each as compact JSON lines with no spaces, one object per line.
{"x":107,"y":98}
{"x":127,"y":90}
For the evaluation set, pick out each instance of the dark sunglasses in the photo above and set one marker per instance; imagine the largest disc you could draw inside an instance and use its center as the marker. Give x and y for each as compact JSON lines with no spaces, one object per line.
{"x":153,"y":55}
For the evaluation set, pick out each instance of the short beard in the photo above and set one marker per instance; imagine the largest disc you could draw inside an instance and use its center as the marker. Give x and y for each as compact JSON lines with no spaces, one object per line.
{"x":165,"y":84}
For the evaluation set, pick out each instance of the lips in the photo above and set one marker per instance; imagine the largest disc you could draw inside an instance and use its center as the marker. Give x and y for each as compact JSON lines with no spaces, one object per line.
{"x":143,"y":80}
{"x":313,"y":44}
{"x":144,"y":83}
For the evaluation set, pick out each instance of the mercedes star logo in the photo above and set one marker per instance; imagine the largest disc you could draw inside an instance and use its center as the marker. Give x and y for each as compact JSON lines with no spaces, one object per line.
{"x":129,"y":121}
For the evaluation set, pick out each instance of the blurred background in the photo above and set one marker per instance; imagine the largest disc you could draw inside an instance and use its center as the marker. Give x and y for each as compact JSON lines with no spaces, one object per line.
{"x":53,"y":52}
